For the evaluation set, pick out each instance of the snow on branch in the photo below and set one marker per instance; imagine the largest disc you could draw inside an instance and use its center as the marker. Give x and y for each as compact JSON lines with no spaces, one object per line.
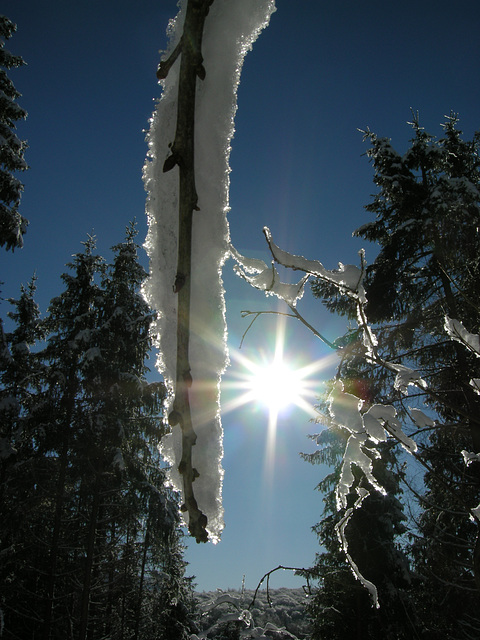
{"x":186,"y":175}
{"x":345,"y":411}
{"x":385,"y":415}
{"x":420,"y":419}
{"x":267,"y":279}
{"x":457,"y":332}
{"x":347,"y":277}
{"x":340,"y":529}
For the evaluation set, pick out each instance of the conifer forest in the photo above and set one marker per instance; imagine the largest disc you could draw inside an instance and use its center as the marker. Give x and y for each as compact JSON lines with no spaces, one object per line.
{"x":111,"y":437}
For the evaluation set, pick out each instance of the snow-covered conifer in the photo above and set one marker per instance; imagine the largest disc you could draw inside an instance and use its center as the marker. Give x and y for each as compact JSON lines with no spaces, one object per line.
{"x":12,"y":224}
{"x":426,"y":226}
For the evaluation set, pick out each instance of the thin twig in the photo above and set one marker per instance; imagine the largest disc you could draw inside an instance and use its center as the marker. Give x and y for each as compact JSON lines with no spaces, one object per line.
{"x":304,"y":572}
{"x":294,"y":314}
{"x":244,"y":314}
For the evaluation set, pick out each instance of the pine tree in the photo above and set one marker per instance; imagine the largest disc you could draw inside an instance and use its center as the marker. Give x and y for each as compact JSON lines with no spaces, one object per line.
{"x":341,"y":606}
{"x":12,"y":225}
{"x":97,"y":540}
{"x":426,"y":226}
{"x":19,"y":462}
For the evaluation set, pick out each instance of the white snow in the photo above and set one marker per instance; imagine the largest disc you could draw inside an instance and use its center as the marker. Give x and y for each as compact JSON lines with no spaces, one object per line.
{"x":267,"y":279}
{"x":355,"y":453}
{"x":386,"y":414}
{"x":469,"y":457}
{"x":231,"y":27}
{"x":406,"y":377}
{"x":475,"y":384}
{"x":457,"y":331}
{"x":340,"y":528}
{"x":345,"y":409}
{"x":373,"y":423}
{"x":421,"y":419}
{"x":347,"y":276}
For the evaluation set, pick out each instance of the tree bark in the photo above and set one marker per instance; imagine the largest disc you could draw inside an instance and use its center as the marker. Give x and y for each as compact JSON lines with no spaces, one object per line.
{"x":87,"y":580}
{"x":183,"y":155}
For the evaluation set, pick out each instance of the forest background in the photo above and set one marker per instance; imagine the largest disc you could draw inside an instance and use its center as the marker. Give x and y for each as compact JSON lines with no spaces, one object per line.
{"x":296,"y":147}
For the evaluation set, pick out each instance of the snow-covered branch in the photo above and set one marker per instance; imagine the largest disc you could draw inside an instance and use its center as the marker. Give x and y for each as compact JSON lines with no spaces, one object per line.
{"x":186,"y":176}
{"x":367,"y":426}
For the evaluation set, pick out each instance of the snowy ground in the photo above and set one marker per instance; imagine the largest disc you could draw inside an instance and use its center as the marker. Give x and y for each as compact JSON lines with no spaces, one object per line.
{"x":287,"y":610}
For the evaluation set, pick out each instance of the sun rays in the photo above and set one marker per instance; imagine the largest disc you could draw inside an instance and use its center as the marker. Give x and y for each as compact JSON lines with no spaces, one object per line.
{"x":276,"y":381}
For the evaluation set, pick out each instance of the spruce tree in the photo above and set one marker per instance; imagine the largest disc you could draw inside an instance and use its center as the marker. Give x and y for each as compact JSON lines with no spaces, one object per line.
{"x":70,"y":322}
{"x":12,"y":225}
{"x":20,"y":465}
{"x":97,"y":542}
{"x":341,"y":606}
{"x":426,"y":227}
{"x":137,"y":510}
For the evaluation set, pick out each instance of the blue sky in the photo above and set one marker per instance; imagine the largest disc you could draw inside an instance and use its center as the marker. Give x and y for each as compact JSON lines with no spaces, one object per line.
{"x":316,"y":74}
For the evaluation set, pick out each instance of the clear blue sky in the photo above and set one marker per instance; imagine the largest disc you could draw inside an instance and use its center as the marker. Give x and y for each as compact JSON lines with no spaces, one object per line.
{"x":320,"y":71}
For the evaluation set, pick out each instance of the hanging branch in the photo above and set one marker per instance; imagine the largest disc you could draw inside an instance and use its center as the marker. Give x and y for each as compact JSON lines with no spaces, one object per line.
{"x":306,"y":573}
{"x":182,"y":155}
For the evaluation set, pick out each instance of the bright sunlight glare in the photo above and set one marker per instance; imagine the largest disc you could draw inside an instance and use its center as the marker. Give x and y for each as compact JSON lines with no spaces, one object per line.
{"x":276,"y":385}
{"x":276,"y":380}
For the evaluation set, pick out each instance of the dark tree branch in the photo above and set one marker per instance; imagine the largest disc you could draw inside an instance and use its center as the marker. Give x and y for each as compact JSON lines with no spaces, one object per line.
{"x":304,"y":572}
{"x":183,"y":156}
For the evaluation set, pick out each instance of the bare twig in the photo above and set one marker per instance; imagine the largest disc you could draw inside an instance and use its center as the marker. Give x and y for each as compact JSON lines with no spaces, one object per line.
{"x":294,"y":314}
{"x":304,"y":572}
{"x":244,"y":314}
{"x":312,"y":329}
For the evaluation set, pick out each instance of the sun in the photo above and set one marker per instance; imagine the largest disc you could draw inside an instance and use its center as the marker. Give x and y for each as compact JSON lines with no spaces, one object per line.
{"x":276,"y":385}
{"x":275,"y":379}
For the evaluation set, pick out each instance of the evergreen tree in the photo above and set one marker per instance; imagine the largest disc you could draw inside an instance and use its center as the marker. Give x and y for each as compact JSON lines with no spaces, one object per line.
{"x":12,"y":225}
{"x":19,"y":463}
{"x":341,"y":606}
{"x":426,"y":226}
{"x":125,"y":439}
{"x":71,"y":322}
{"x":101,"y":543}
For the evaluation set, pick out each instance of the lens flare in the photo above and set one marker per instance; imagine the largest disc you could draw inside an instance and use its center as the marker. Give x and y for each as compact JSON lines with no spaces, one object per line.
{"x":276,"y":385}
